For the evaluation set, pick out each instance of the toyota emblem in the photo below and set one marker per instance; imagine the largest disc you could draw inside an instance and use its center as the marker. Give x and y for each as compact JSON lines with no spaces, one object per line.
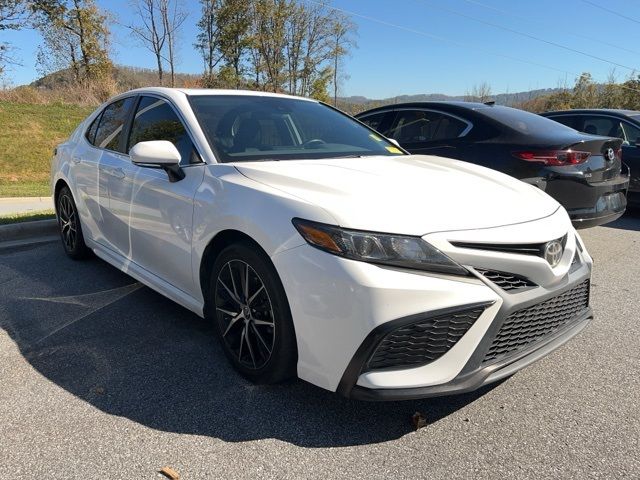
{"x":553,"y":252}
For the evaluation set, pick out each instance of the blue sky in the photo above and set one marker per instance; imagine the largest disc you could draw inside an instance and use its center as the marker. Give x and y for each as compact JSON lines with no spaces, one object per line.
{"x":435,"y":46}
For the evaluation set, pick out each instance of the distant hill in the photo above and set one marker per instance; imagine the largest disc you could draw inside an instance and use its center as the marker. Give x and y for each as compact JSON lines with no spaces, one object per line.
{"x":500,"y":98}
{"x":126,"y":78}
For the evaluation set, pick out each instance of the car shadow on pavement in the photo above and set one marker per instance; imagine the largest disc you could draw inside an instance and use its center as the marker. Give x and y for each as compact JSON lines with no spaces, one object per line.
{"x":629,"y":221}
{"x":130,"y":352}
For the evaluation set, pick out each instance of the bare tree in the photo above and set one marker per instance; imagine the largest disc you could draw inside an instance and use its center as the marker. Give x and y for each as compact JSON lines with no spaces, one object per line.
{"x":342,"y":33}
{"x":172,"y":19}
{"x":480,"y":92}
{"x":150,"y":30}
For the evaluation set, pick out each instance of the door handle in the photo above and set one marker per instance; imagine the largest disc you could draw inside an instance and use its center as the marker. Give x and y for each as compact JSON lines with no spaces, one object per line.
{"x":116,"y":172}
{"x":113,"y":171}
{"x":75,"y":159}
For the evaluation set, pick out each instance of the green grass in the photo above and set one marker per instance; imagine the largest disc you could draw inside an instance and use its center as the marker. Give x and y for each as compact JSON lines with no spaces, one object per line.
{"x":25,"y":189}
{"x":27,"y":217}
{"x":28,"y":136}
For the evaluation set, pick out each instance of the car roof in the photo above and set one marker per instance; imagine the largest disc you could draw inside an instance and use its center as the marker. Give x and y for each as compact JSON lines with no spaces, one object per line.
{"x":170,"y":92}
{"x":614,"y":111}
{"x":452,"y":105}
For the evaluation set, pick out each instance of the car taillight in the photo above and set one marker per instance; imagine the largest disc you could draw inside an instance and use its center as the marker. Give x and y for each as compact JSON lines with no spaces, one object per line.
{"x":553,"y":157}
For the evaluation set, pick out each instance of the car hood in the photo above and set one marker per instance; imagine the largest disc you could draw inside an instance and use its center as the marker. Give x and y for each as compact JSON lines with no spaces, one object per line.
{"x":413,"y":195}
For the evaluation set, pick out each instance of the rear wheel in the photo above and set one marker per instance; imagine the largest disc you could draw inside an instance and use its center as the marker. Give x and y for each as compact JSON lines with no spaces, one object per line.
{"x":252,"y":315}
{"x":69,"y":225}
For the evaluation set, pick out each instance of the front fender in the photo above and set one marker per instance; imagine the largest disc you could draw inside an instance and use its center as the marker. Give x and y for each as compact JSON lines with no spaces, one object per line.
{"x":227,"y":200}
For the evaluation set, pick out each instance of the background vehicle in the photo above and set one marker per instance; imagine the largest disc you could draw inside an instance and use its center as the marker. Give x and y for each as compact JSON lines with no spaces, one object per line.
{"x":624,"y":124}
{"x":583,"y":172}
{"x":264,"y":213}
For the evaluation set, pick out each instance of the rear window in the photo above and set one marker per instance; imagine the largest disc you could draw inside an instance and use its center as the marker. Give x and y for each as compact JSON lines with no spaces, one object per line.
{"x":523,"y":122}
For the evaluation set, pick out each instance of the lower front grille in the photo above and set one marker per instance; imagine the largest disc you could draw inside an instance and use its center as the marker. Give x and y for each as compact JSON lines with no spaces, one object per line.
{"x":424,"y":341}
{"x":525,"y":327}
{"x":507,"y":281}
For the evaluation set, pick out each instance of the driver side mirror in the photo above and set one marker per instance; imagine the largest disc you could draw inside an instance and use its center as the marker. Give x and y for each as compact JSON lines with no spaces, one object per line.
{"x":159,"y":154}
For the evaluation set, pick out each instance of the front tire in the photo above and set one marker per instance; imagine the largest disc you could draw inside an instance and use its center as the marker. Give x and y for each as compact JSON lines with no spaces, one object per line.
{"x":69,"y":226}
{"x":251,"y":312}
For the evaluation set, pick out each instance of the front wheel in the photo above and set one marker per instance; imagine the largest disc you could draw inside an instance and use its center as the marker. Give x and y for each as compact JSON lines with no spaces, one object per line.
{"x":69,"y":226}
{"x":252,"y":315}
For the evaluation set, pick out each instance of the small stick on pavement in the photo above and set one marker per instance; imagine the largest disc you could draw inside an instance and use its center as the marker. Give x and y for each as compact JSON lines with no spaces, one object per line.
{"x":170,"y":473}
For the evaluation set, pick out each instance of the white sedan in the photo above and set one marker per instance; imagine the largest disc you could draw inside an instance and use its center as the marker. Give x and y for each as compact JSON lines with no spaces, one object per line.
{"x":319,"y":248}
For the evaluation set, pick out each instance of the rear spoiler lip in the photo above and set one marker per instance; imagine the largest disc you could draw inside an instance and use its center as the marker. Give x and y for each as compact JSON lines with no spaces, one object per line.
{"x":604,"y":142}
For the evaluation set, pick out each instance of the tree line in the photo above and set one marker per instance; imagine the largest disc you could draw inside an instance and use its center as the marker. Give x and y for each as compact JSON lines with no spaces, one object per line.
{"x":586,"y":93}
{"x":288,"y":46}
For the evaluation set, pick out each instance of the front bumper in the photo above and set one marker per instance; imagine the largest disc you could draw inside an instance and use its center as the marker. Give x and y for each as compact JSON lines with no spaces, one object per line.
{"x":477,"y":372}
{"x":342,"y":308}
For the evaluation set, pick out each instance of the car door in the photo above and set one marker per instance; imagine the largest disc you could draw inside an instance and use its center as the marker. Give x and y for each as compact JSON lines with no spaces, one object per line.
{"x":90,"y":194}
{"x":109,"y":142}
{"x":159,"y":212}
{"x":428,"y":132}
{"x":631,"y":153}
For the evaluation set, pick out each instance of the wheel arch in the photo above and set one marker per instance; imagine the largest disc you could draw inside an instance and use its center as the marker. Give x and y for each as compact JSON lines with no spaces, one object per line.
{"x":218,"y":243}
{"x":60,"y":184}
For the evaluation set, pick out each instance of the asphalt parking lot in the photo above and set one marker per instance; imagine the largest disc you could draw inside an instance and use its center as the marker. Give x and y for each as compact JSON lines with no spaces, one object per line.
{"x":103,"y":378}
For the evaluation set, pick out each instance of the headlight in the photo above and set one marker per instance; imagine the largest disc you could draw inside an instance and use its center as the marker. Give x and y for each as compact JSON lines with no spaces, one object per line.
{"x":397,"y":250}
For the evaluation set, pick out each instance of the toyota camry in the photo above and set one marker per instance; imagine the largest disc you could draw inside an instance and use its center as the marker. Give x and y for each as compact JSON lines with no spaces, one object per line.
{"x":318,"y":248}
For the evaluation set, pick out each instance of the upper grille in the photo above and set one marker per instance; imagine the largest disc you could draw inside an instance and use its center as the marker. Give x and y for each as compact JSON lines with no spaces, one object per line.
{"x":536,"y":249}
{"x":507,"y":281}
{"x":424,"y":341}
{"x":529,"y":325}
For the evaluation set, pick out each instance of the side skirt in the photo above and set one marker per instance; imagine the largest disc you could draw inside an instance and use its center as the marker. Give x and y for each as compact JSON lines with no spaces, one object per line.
{"x":147,"y":278}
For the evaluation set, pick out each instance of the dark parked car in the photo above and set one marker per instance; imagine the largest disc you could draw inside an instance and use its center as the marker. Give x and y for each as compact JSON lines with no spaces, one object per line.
{"x":624,"y":124}
{"x":583,"y":172}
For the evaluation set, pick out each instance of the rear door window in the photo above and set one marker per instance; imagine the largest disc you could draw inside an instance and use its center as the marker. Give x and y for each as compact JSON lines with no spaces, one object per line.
{"x":380,"y":121}
{"x":605,"y":126}
{"x":568,"y":120}
{"x":112,"y":121}
{"x":631,"y":133}
{"x":155,"y":119}
{"x":418,"y":126}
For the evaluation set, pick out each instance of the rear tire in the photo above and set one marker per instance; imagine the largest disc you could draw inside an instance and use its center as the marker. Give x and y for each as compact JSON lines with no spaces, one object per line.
{"x":249,"y":307}
{"x":69,"y":226}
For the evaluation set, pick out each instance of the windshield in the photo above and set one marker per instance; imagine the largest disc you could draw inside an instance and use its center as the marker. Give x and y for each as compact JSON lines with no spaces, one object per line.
{"x":243,"y":128}
{"x":524,"y":122}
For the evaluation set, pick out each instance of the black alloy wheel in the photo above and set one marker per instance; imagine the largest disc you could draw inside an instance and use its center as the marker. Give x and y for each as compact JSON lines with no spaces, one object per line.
{"x":69,"y":225}
{"x":252,"y":315}
{"x":245,"y":314}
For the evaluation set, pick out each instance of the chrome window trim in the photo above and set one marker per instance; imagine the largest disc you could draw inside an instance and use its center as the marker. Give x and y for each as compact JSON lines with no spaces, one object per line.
{"x":137,"y":96}
{"x":409,"y":109}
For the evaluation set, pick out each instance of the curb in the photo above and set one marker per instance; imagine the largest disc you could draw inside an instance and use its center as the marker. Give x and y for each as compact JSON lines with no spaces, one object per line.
{"x":28,"y":232}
